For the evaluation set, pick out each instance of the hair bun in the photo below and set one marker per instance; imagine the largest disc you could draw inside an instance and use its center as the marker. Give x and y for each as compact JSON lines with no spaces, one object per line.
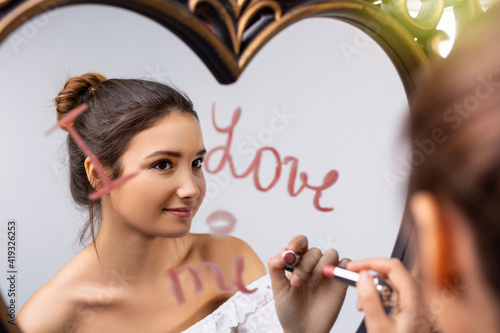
{"x":75,"y":92}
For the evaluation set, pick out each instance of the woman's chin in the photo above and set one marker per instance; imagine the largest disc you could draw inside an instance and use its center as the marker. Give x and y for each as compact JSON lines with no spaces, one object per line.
{"x":177,"y":231}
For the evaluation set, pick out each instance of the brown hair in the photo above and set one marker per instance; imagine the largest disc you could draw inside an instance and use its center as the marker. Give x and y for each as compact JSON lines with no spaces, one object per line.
{"x":455,"y":136}
{"x":117,"y":110}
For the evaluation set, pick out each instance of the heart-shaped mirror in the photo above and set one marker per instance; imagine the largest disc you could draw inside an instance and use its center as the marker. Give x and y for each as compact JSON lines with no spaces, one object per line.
{"x":321,"y":104}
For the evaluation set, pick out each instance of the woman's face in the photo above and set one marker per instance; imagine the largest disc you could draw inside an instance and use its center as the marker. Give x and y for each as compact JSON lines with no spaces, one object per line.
{"x":386,"y":294}
{"x":169,"y":187}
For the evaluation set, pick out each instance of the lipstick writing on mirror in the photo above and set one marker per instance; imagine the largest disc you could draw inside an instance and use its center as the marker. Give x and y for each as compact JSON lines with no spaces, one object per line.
{"x":291,"y":259}
{"x":343,"y":275}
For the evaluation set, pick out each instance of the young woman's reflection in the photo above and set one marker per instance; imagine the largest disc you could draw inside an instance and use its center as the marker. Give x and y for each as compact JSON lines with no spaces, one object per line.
{"x":140,"y":230}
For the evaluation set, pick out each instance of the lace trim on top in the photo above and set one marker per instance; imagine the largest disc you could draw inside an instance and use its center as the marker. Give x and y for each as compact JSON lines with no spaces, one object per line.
{"x":243,"y":312}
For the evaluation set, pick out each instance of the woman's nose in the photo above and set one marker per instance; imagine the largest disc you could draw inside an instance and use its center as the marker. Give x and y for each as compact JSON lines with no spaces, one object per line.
{"x":188,"y":187}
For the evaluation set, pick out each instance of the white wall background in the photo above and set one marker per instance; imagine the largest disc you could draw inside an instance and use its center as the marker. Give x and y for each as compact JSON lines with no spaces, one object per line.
{"x":348,"y":112}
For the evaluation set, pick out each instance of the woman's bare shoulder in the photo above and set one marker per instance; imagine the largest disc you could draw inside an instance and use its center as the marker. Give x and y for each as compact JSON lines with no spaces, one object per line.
{"x":52,"y":307}
{"x":48,"y":310}
{"x":224,"y":250}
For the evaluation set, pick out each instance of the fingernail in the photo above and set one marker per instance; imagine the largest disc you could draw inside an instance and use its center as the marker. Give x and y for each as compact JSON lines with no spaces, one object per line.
{"x":295,"y":281}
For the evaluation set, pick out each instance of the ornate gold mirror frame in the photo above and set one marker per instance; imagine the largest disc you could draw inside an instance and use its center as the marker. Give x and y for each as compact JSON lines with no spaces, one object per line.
{"x":227,"y":34}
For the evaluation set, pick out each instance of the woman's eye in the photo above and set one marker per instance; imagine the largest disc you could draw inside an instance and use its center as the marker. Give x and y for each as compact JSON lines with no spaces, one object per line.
{"x":197,"y":163}
{"x":163,"y":165}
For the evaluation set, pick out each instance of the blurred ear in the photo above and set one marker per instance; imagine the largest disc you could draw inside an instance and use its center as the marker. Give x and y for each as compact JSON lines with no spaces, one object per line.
{"x":92,"y":174}
{"x":435,"y":238}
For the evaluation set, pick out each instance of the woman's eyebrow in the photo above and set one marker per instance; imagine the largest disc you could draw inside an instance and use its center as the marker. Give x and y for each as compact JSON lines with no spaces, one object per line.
{"x":172,"y":153}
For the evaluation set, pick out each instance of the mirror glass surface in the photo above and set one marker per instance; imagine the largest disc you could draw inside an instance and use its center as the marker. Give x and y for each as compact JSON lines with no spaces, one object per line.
{"x":321,"y":91}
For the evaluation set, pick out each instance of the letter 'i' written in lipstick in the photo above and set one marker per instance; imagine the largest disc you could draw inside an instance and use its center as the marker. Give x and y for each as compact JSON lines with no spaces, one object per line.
{"x":67,"y":122}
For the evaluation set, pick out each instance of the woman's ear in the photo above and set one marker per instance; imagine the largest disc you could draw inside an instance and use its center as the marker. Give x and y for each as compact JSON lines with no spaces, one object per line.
{"x":92,"y":174}
{"x":435,"y":238}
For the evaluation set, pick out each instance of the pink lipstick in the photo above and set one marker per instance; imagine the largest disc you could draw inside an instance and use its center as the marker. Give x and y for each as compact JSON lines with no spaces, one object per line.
{"x":182,"y":212}
{"x":291,"y":259}
{"x":350,"y":278}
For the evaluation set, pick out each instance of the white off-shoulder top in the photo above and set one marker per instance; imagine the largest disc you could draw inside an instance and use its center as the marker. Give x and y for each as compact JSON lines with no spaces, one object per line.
{"x":243,"y":312}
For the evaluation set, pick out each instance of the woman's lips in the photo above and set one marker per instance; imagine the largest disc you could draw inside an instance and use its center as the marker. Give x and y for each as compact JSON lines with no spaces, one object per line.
{"x":183,"y":212}
{"x":221,"y":222}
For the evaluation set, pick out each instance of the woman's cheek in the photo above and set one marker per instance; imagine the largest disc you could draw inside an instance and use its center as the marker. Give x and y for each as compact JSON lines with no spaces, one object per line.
{"x":141,"y":191}
{"x":202,"y":187}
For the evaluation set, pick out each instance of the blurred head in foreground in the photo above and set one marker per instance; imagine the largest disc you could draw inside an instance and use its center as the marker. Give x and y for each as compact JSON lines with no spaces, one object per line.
{"x":455,"y":181}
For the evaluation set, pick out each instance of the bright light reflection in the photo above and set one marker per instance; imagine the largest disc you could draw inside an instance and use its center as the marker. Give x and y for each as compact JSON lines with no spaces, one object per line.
{"x":447,"y":24}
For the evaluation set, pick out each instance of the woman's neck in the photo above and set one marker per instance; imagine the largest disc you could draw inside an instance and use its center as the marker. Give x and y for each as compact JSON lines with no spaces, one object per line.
{"x":139,"y":255}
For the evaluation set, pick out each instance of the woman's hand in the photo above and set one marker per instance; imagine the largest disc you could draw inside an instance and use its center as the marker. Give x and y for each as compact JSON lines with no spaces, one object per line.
{"x":410,"y":317}
{"x":306,"y":301}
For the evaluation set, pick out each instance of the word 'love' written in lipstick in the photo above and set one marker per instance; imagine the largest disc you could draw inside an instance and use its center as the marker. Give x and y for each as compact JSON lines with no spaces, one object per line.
{"x":330,"y":178}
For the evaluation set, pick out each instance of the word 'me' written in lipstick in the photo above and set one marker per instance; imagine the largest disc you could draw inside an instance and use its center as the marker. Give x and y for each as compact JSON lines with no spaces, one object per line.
{"x":329,"y":179}
{"x":239,"y":265}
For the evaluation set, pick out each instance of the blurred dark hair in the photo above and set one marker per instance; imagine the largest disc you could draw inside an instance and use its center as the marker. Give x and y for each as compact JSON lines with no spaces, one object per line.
{"x":455,"y":135}
{"x":117,"y":110}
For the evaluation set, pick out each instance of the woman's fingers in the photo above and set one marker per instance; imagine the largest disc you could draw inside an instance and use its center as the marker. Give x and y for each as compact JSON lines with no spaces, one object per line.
{"x":375,"y":317}
{"x":330,"y":257}
{"x":310,"y":267}
{"x":306,"y":266}
{"x":392,"y":268}
{"x":381,"y":265}
{"x":400,"y":279}
{"x":343,"y":262}
{"x":276,"y":268}
{"x":298,"y":244}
